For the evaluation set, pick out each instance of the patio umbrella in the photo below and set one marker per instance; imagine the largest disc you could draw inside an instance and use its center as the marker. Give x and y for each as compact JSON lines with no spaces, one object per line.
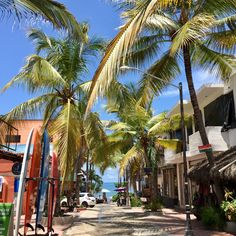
{"x":104,"y":190}
{"x":120,"y":189}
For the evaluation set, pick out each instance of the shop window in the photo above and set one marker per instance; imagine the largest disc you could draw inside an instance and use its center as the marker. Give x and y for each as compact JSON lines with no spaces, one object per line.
{"x":221,"y":112}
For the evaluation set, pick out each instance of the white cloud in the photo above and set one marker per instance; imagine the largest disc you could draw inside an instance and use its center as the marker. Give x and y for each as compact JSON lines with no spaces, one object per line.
{"x":204,"y":77}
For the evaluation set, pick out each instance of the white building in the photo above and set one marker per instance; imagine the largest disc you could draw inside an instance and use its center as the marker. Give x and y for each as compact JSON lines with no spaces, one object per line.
{"x":217,"y":104}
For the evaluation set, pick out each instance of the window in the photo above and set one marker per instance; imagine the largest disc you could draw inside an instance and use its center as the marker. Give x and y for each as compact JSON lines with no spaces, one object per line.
{"x":221,"y":112}
{"x":12,"y":138}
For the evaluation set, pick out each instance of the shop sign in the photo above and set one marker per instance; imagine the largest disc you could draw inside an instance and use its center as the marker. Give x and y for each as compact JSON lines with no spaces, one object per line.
{"x":1,"y":183}
{"x":16,"y":168}
{"x":6,"y":219}
{"x":205,"y":148}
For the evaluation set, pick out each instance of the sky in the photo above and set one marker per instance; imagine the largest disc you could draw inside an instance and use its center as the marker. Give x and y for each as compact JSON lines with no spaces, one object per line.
{"x":104,"y":21}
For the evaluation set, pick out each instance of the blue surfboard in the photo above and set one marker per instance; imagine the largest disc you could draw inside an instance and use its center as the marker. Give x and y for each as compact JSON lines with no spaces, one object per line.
{"x":43,"y":184}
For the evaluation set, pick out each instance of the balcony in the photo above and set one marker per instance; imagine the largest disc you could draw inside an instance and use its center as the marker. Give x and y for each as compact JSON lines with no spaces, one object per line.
{"x":216,"y":139}
{"x":9,"y":136}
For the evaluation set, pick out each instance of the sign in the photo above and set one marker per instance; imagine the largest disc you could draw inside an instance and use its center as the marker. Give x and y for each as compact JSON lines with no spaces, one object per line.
{"x":1,"y":183}
{"x":6,"y":219}
{"x":205,"y":148}
{"x":16,"y":168}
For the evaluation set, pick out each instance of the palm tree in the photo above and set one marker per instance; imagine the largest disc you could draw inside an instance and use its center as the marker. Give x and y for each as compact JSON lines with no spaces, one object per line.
{"x":193,"y":33}
{"x":57,"y":72}
{"x":49,"y":10}
{"x":138,"y":134}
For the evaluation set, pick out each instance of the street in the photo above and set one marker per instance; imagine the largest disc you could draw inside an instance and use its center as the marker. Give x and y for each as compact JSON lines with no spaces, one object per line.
{"x":111,"y":220}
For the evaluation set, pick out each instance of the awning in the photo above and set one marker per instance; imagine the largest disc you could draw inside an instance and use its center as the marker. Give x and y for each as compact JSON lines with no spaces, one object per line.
{"x":224,"y":169}
{"x":11,"y":156}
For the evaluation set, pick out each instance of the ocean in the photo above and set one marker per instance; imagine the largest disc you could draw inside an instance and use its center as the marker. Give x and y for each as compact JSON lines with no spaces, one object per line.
{"x":111,"y":187}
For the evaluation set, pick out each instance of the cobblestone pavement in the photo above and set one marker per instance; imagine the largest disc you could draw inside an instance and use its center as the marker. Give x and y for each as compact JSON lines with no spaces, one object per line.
{"x":110,"y":220}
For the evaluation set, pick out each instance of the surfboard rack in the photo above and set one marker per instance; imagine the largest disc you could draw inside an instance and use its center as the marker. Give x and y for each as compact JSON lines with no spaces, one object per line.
{"x":40,"y":227}
{"x":29,"y":226}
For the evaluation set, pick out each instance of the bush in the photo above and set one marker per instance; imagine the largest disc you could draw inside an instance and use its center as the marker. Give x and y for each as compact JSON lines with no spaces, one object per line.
{"x":115,"y":197}
{"x":212,"y":217}
{"x":229,"y":207}
{"x":154,"y":205}
{"x":135,"y":202}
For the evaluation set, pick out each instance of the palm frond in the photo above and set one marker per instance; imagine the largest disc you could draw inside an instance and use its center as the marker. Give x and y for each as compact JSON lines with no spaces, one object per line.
{"x":37,"y":74}
{"x":133,"y":153}
{"x":118,"y":48}
{"x":173,"y":144}
{"x":166,"y":69}
{"x":222,"y":42}
{"x":196,"y":28}
{"x":66,"y":130}
{"x":49,"y":10}
{"x":29,"y":109}
{"x":219,"y":64}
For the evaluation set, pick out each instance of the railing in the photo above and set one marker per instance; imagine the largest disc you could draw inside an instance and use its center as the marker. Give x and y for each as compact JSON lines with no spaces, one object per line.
{"x":9,"y":136}
{"x":215,"y":138}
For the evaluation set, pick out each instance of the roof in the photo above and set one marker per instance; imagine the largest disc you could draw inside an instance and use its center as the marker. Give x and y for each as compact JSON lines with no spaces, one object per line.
{"x":11,"y":156}
{"x":205,"y":94}
{"x":224,"y":169}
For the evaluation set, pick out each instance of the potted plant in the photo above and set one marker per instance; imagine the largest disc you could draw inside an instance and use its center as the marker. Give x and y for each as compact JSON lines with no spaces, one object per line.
{"x":229,"y":207}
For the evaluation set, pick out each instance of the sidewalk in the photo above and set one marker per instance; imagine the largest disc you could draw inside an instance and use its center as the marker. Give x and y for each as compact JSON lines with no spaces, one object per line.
{"x":111,"y":220}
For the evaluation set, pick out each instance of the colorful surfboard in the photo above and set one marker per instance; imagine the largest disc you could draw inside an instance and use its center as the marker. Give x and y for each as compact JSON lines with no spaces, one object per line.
{"x":33,"y":181}
{"x":53,"y":187}
{"x":22,"y":182}
{"x":43,"y":183}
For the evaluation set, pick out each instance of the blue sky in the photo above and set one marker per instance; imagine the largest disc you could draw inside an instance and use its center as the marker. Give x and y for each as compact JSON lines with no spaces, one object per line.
{"x":104,"y":20}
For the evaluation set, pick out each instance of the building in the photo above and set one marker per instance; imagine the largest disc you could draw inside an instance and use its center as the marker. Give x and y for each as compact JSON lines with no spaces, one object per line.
{"x":217,"y":104}
{"x":13,"y":140}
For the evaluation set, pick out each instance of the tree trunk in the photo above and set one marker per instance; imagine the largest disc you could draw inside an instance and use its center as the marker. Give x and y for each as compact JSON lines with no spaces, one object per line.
{"x":87,"y":173}
{"x":198,"y":117}
{"x":154,"y":184}
{"x":77,"y":183}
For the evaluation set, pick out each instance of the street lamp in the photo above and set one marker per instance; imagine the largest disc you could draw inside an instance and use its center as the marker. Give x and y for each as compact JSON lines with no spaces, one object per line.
{"x":188,"y":227}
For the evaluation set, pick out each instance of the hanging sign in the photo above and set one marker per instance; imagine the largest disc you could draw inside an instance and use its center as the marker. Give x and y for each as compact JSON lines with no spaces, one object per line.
{"x":6,"y":219}
{"x":1,"y":183}
{"x":205,"y":148}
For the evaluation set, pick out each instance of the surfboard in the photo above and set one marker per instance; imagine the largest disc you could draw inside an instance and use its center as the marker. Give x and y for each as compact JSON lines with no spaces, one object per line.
{"x":33,"y":181}
{"x":21,"y":189}
{"x":53,"y":187}
{"x":43,"y":183}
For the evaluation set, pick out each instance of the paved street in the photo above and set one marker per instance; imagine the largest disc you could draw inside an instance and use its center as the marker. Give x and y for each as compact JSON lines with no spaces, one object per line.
{"x":116,"y":221}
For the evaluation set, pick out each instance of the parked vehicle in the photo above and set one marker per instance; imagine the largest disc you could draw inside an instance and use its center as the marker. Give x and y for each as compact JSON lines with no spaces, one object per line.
{"x":86,"y":200}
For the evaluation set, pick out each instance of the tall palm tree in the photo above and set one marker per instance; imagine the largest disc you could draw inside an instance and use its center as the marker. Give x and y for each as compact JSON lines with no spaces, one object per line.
{"x":49,"y":10}
{"x":58,"y":73}
{"x":138,"y":133}
{"x":192,"y":33}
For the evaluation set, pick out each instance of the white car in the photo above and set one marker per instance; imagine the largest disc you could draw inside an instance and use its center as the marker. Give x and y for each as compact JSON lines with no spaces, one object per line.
{"x":85,"y":199}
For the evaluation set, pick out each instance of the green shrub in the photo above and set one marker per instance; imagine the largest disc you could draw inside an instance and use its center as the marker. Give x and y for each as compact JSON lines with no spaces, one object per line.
{"x":135,"y":202}
{"x":212,"y":217}
{"x":115,"y":197}
{"x":229,"y":206}
{"x":154,"y":205}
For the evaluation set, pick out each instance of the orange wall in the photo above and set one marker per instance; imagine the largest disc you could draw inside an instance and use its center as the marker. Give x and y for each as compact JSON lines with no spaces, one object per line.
{"x":24,"y":127}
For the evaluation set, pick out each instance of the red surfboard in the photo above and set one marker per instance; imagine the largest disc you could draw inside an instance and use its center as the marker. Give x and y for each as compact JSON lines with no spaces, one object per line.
{"x":53,"y":187}
{"x":31,"y":193}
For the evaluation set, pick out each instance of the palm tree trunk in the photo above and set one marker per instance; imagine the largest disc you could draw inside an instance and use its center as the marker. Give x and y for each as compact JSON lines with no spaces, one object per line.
{"x":198,"y":117}
{"x":87,"y":173}
{"x":77,"y":183}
